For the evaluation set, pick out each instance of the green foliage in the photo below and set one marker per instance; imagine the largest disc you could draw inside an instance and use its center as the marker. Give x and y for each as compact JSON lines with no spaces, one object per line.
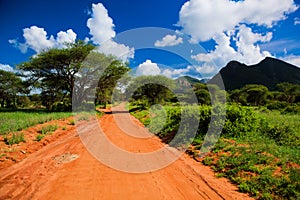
{"x":109,"y":79}
{"x":258,"y":158}
{"x":239,"y":120}
{"x":16,"y":121}
{"x":253,"y":170}
{"x":54,"y":71}
{"x":15,"y":138}
{"x":72,"y":122}
{"x":39,"y":137}
{"x":10,"y":86}
{"x":151,"y":89}
{"x":250,"y":95}
{"x":48,"y":129}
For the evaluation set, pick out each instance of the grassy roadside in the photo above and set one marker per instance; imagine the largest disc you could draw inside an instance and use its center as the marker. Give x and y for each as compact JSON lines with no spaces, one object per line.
{"x":258,"y":149}
{"x":16,"y":121}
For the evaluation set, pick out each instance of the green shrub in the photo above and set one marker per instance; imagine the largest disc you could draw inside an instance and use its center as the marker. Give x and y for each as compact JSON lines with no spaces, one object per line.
{"x":277,"y":105}
{"x":16,"y":138}
{"x":282,"y":134}
{"x":293,"y":109}
{"x":48,"y":129}
{"x":39,"y":137}
{"x":72,"y":122}
{"x":239,"y":120}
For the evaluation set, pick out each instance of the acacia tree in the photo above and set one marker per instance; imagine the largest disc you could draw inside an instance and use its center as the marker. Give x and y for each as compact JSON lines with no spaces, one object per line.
{"x":151,"y":89}
{"x":55,"y":69}
{"x":71,"y":75}
{"x":10,"y":86}
{"x":109,"y":79}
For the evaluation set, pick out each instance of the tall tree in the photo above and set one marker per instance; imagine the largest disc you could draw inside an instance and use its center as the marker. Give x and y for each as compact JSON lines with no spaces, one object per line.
{"x":56,"y":69}
{"x":10,"y":86}
{"x":151,"y":89}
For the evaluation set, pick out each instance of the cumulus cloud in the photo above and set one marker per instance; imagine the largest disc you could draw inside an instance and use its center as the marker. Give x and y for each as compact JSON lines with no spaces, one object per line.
{"x":203,"y":19}
{"x":102,"y":30}
{"x":168,"y":40}
{"x":101,"y":25}
{"x":247,"y":49}
{"x":65,"y":37}
{"x":6,"y":67}
{"x":174,"y":73}
{"x":121,"y":51}
{"x":148,"y":68}
{"x":38,"y":40}
{"x":206,"y":68}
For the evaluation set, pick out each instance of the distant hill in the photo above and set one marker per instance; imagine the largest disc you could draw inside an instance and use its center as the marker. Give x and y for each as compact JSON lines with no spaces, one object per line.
{"x":187,"y":80}
{"x":268,"y":72}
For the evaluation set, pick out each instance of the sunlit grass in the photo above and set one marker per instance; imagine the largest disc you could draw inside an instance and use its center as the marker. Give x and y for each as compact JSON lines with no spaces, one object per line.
{"x":16,"y":121}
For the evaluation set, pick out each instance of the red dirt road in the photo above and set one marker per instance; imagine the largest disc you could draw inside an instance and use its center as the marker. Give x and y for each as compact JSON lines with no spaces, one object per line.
{"x":65,"y":169}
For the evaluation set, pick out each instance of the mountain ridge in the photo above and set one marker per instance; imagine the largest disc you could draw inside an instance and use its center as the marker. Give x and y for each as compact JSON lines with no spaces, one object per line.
{"x":268,"y":72}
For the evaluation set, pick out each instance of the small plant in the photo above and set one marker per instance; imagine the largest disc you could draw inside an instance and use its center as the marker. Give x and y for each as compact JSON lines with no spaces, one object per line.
{"x":48,"y":129}
{"x":64,"y":128}
{"x":72,"y":122}
{"x":16,"y":138}
{"x":39,"y":137}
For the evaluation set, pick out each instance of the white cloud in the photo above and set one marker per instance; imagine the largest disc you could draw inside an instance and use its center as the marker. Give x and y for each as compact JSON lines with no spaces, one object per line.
{"x":121,"y":51}
{"x":296,"y":21}
{"x":38,"y":40}
{"x":292,"y":59}
{"x":21,"y":46}
{"x":148,"y":68}
{"x":203,"y":19}
{"x":206,"y":68}
{"x":102,"y":30}
{"x":65,"y":37}
{"x":228,"y":23}
{"x":168,"y":40}
{"x":101,"y":25}
{"x":247,"y":49}
{"x":174,"y":73}
{"x":6,"y":67}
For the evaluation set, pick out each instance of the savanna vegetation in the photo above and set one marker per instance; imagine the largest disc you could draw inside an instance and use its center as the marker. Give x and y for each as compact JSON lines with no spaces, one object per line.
{"x":258,"y":148}
{"x":46,"y":86}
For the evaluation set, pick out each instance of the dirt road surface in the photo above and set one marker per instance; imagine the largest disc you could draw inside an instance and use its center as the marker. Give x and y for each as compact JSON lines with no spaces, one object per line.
{"x":65,"y":169}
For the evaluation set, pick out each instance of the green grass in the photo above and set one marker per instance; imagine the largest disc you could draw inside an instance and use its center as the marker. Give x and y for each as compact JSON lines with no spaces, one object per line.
{"x":19,"y":120}
{"x":39,"y":137}
{"x":257,"y":172}
{"x":48,"y":129}
{"x":15,"y":138}
{"x":259,"y":150}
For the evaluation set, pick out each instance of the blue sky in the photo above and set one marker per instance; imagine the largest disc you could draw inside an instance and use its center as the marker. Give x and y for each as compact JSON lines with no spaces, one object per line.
{"x":196,"y":37}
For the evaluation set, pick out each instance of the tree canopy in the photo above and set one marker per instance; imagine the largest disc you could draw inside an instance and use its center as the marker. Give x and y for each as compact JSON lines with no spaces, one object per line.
{"x":151,"y":89}
{"x":10,"y":86}
{"x":72,"y":73}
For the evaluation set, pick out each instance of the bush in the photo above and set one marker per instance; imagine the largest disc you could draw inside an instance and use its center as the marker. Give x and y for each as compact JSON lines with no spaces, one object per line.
{"x":277,"y":105}
{"x":39,"y":137}
{"x":16,"y":138}
{"x":48,"y":129}
{"x":282,"y":134}
{"x":292,"y":109}
{"x":239,"y":120}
